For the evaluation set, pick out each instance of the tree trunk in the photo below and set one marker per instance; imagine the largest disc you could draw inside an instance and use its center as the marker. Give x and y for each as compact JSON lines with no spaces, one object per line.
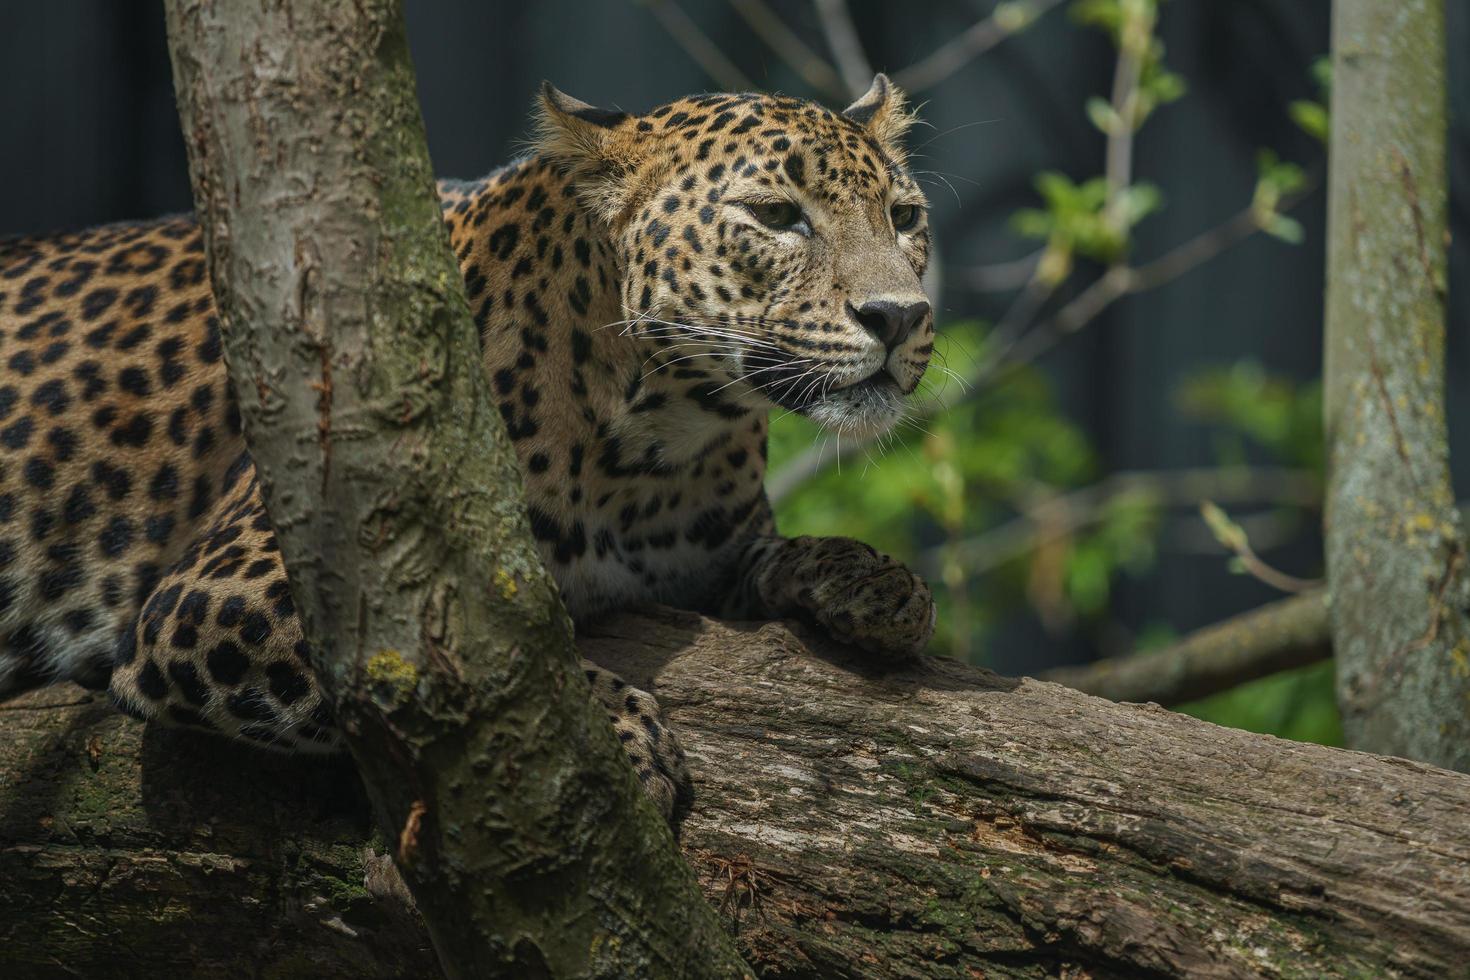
{"x":1396,"y":560}
{"x":434,"y":631}
{"x":941,"y":822}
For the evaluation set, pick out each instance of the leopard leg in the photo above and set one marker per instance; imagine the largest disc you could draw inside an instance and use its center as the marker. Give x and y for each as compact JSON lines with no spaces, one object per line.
{"x":218,"y":647}
{"x":854,"y":592}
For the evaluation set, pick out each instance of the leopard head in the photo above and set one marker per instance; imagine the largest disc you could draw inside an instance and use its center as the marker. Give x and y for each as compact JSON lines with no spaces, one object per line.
{"x":768,"y":244}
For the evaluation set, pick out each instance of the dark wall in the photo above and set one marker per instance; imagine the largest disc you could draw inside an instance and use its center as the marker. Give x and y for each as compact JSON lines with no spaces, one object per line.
{"x":88,"y":134}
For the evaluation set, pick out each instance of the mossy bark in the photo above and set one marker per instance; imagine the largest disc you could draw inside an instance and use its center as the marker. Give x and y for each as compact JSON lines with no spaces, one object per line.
{"x":939,"y":822}
{"x":1398,"y":577}
{"x":434,"y":629}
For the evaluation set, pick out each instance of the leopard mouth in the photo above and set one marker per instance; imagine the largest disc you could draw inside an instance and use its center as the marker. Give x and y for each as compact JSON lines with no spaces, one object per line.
{"x":863,"y":408}
{"x":879,"y":384}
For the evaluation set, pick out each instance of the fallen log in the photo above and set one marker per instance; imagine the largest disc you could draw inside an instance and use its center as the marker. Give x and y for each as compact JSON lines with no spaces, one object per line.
{"x":940,"y":821}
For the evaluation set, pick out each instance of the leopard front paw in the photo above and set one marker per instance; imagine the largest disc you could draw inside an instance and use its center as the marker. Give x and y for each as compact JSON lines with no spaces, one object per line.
{"x":652,"y":747}
{"x":863,"y":597}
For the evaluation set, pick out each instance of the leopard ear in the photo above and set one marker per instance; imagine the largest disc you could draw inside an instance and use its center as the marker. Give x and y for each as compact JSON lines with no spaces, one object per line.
{"x":583,"y":122}
{"x":883,"y":112}
{"x":592,"y":143}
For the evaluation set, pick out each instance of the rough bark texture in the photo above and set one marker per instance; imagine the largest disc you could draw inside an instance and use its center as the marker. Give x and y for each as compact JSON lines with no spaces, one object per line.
{"x":1278,"y":636}
{"x":435,"y":631}
{"x":1396,"y":559}
{"x":943,"y":822}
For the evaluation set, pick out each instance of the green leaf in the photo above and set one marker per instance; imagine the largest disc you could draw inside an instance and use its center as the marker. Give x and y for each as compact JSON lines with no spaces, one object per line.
{"x":1140,"y":201}
{"x":1312,"y":118}
{"x":1322,"y":73}
{"x":1102,"y":114}
{"x":1281,"y":177}
{"x":1014,"y":15}
{"x":1278,"y":414}
{"x":1106,"y":14}
{"x":1299,"y":705}
{"x":1057,"y":189}
{"x":1087,"y":579}
{"x":1287,"y":229}
{"x":1161,"y":85}
{"x":1032,"y":223}
{"x":1226,"y":531}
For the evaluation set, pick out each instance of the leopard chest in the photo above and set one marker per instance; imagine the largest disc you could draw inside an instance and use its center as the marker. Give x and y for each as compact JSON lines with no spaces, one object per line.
{"x":673,"y":537}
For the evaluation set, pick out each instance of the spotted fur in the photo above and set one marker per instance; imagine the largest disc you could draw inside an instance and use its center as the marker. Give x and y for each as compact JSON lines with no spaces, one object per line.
{"x":648,"y":288}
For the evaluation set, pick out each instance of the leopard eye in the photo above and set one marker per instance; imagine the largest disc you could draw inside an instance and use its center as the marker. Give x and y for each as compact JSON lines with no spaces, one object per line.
{"x":905,"y":216}
{"x":779,"y":215}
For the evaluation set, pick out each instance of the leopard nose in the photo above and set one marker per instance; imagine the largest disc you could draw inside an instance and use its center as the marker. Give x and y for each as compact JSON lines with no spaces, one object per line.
{"x":890,"y":321}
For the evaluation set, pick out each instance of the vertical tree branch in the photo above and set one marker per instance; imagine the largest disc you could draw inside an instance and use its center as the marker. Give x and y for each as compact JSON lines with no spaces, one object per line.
{"x":697,"y":44}
{"x":969,"y":44}
{"x":1395,"y":548}
{"x":847,"y":47}
{"x":1134,"y":36}
{"x":434,"y":630}
{"x":781,"y":39}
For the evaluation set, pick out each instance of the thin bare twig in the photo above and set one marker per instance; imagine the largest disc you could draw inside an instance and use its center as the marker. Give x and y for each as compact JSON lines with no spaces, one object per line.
{"x":1085,"y":307}
{"x":1037,"y":292}
{"x":815,"y":70}
{"x":1121,"y":281}
{"x":1133,"y":37}
{"x":847,"y":47}
{"x":1234,"y":539}
{"x":1208,"y":244}
{"x":1001,"y":277}
{"x":1268,"y":529}
{"x":1065,"y":514}
{"x":699,"y":47}
{"x":1268,"y":574}
{"x":1198,"y":250}
{"x":970,"y":44}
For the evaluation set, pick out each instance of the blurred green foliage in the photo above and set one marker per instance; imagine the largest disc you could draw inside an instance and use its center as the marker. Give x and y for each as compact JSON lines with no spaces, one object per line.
{"x":1296,"y":704}
{"x":1276,"y":180}
{"x":1311,"y":115}
{"x":936,"y":495}
{"x":952,"y":498}
{"x":1130,"y":25}
{"x":1075,"y":220}
{"x":1246,"y":406}
{"x":999,"y":500}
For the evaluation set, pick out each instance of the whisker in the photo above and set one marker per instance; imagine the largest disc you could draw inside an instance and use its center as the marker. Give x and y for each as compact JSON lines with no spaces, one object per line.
{"x":957,"y":202}
{"x":763,"y":385}
{"x":954,"y":129}
{"x":946,"y":173}
{"x":681,"y":329}
{"x":713,"y":325}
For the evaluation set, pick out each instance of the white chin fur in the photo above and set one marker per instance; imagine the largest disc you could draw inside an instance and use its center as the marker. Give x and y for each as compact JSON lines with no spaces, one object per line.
{"x":862,"y":411}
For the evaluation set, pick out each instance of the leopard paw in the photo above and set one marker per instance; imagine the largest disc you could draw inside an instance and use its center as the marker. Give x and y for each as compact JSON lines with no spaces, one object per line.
{"x":652,"y":747}
{"x":864,"y":598}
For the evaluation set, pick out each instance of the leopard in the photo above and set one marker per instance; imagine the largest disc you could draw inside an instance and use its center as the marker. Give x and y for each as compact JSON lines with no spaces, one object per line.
{"x":649,"y":288}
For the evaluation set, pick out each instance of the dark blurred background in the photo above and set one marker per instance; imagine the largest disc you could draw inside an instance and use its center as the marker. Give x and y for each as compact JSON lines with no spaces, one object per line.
{"x":89,"y":135}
